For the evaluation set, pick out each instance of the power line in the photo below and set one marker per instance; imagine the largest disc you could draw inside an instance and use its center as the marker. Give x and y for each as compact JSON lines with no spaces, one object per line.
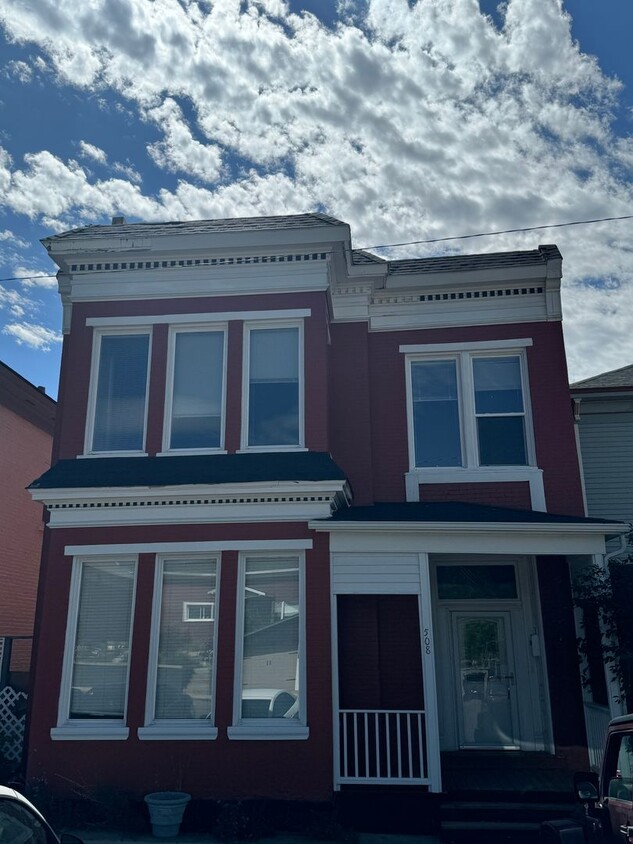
{"x":503,"y":231}
{"x":404,"y":243}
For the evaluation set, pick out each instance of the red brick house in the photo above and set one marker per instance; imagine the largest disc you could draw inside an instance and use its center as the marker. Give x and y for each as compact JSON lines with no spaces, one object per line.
{"x":311,"y":514}
{"x":27,"y":420}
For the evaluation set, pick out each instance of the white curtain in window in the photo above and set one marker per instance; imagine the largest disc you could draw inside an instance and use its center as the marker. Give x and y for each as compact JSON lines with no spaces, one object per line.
{"x":274,"y":354}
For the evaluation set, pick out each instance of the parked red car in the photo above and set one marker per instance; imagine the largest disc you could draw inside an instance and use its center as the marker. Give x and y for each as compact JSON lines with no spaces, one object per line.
{"x":608,"y":799}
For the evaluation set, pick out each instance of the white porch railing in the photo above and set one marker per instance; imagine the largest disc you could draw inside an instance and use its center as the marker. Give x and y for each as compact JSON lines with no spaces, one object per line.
{"x":596,"y":720}
{"x":382,"y":746}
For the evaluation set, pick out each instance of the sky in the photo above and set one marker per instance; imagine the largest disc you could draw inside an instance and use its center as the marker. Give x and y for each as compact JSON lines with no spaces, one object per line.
{"x":408,"y":120}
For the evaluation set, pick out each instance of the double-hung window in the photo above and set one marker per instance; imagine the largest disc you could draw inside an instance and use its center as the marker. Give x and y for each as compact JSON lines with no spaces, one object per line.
{"x":118,"y":393}
{"x":468,"y":409}
{"x":269,"y":697}
{"x":93,"y":697}
{"x":273,"y":389}
{"x":180,"y":698}
{"x":195,"y":404}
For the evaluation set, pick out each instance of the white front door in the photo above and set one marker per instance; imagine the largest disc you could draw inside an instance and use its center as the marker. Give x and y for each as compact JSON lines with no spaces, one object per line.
{"x":491,"y":674}
{"x":485,"y":680}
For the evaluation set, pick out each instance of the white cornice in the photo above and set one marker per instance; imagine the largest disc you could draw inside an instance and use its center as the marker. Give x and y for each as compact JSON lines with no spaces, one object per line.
{"x":608,"y":529}
{"x":256,"y":502}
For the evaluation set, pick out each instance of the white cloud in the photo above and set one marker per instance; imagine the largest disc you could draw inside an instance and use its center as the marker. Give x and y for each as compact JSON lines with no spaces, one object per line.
{"x":20,"y":70}
{"x":93,"y":152}
{"x":13,"y":302}
{"x":13,"y":239}
{"x":409,"y":121}
{"x":36,"y":336}
{"x":35,"y":278}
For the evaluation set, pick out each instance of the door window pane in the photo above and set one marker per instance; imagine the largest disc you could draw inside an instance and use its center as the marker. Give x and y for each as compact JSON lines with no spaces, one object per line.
{"x":621,"y":780}
{"x":185,"y":650}
{"x":436,"y":413}
{"x":500,"y":412}
{"x":270,"y":667}
{"x":102,"y":642}
{"x":493,"y":583}
{"x":119,"y":418}
{"x":197,"y":391}
{"x":273,"y":396}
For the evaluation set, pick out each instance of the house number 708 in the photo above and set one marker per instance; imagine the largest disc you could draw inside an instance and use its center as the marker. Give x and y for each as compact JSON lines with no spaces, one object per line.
{"x":427,"y":641}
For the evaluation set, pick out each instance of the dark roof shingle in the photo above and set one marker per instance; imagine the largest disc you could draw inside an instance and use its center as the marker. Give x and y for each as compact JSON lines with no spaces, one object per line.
{"x":622,"y":377}
{"x":189,"y":470}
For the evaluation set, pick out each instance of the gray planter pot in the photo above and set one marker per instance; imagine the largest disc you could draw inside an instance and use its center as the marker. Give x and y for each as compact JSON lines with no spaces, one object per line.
{"x":166,"y":809}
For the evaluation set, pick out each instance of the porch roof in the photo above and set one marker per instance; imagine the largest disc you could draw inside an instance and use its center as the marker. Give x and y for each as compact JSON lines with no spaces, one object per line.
{"x":465,"y":513}
{"x":189,"y":470}
{"x":459,"y":527}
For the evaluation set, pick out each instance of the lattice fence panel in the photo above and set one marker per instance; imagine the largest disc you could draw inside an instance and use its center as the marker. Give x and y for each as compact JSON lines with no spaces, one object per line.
{"x":11,"y":725}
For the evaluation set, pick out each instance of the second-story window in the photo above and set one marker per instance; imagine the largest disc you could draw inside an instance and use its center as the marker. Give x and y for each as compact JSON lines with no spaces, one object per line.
{"x":468,"y":410}
{"x":195,"y":407}
{"x":273,"y":394}
{"x":119,"y":393}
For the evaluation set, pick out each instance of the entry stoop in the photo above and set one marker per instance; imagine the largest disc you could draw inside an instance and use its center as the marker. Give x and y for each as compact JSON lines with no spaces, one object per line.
{"x":497,"y":821}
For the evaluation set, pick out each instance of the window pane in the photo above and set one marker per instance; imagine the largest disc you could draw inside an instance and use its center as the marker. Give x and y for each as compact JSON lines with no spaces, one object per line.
{"x":270,"y":669}
{"x":122,"y":382}
{"x":436,"y":413}
{"x":185,"y":650}
{"x":102,"y":645}
{"x":498,"y":385}
{"x":501,"y":441}
{"x":476,"y":583}
{"x":273,"y":398}
{"x":197,"y":391}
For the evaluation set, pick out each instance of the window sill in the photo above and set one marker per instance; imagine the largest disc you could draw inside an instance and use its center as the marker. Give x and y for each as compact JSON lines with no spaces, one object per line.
{"x":270,"y":448}
{"x":180,"y":452}
{"x":91,"y":454}
{"x":90,"y":732}
{"x":177,"y":732}
{"x":283,"y":732}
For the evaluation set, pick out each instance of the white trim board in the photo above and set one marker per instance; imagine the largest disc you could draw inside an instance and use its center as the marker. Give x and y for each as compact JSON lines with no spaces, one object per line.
{"x":475,"y":345}
{"x":446,"y":538}
{"x":191,"y":547}
{"x":193,"y":318}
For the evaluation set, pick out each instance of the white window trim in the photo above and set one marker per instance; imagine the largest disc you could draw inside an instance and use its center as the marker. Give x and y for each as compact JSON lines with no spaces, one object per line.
{"x":85,"y":728}
{"x":93,"y":389}
{"x":268,"y":728}
{"x":174,"y":330}
{"x":183,"y":319}
{"x":272,"y":324}
{"x":464,"y":358}
{"x":185,"y":611}
{"x":176,"y":728}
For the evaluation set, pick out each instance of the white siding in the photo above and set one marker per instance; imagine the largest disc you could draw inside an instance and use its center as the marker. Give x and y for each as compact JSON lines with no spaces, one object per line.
{"x":606,"y":441}
{"x":375,"y":574}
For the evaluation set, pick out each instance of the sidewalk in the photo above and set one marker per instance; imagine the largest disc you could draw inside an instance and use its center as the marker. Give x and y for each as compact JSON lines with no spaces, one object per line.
{"x":112,"y":837}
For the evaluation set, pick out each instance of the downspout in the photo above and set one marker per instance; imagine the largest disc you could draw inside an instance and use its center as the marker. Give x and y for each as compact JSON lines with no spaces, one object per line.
{"x":606,"y":558}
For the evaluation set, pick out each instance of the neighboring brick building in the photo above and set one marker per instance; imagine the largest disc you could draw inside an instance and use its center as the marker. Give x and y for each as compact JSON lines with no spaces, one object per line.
{"x":27,"y":420}
{"x":311,"y":517}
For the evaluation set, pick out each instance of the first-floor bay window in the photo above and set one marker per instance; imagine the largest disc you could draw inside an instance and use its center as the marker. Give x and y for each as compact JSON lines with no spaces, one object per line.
{"x":98,"y":639}
{"x":180,"y":682}
{"x":269,"y":693}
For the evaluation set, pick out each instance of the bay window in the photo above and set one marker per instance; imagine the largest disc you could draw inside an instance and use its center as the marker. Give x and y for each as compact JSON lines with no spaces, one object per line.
{"x":269,"y":687}
{"x":118,"y":401}
{"x":194,"y":418}
{"x":273,"y":387}
{"x":181,"y":669}
{"x":98,"y":639}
